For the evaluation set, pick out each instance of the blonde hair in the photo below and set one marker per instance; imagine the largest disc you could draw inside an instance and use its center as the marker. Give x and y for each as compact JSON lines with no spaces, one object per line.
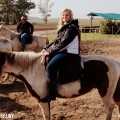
{"x":61,"y":23}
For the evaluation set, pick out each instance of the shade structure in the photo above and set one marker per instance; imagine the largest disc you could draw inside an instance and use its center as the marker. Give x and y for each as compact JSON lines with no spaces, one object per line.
{"x":112,"y":16}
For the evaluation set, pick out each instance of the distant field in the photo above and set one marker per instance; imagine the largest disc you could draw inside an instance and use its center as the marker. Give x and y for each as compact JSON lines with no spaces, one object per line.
{"x":82,"y":22}
{"x":52,"y":23}
{"x":38,"y":27}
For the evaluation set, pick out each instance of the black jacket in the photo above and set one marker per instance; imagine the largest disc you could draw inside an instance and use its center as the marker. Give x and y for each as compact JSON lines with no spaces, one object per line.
{"x":65,"y":36}
{"x":25,"y":28}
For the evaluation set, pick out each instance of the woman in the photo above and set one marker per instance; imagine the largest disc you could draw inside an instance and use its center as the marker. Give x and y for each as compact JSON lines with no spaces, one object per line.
{"x":64,"y":50}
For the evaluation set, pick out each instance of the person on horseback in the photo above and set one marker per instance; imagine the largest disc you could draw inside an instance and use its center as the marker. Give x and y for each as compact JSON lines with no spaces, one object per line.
{"x":25,"y":29}
{"x":64,"y":50}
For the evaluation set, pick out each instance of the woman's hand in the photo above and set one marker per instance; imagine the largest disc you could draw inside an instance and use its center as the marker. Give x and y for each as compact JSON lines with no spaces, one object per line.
{"x":44,"y":52}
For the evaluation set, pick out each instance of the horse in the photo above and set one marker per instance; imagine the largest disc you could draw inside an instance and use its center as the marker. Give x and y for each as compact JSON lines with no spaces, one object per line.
{"x":100,"y":72}
{"x":39,"y":42}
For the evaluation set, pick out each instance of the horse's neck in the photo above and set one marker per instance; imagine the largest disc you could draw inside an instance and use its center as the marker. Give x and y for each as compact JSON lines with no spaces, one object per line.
{"x":13,"y":36}
{"x":21,"y":61}
{"x":9,"y":34}
{"x":30,"y":67}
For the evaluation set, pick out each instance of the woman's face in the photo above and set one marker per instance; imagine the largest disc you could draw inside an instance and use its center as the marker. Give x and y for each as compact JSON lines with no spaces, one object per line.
{"x":66,"y":16}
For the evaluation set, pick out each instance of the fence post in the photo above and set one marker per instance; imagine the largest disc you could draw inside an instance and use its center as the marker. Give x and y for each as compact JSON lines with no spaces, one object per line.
{"x":93,"y":33}
{"x":85,"y":33}
{"x":112,"y":30}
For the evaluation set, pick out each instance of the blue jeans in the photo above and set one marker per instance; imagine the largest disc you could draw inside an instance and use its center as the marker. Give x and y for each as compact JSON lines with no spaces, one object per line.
{"x":59,"y":62}
{"x":23,"y":39}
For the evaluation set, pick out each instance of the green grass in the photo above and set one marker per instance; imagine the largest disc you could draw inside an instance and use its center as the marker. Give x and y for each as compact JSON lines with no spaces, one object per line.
{"x":89,"y":36}
{"x":97,"y":36}
{"x":51,"y":37}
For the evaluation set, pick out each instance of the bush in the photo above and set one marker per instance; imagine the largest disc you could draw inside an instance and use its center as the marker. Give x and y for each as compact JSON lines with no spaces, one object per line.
{"x":108,"y":27}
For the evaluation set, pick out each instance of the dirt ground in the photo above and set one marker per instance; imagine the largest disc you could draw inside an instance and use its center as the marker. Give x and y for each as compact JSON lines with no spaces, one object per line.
{"x":15,"y":100}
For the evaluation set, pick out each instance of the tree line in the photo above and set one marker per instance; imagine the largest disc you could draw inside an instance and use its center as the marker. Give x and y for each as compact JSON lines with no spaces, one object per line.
{"x":12,"y":10}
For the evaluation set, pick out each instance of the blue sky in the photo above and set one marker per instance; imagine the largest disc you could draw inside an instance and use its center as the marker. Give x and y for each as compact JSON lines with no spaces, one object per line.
{"x":80,"y":8}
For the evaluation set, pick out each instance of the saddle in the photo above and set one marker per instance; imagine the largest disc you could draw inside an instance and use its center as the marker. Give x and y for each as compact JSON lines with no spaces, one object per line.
{"x":29,"y":39}
{"x":69,"y":74}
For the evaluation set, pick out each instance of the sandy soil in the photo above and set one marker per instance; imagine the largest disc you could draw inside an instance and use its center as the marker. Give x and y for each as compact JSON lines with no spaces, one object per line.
{"x":14,"y":99}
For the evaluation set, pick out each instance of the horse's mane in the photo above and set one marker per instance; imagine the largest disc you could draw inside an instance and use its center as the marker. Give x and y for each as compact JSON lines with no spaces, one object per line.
{"x":23,"y":59}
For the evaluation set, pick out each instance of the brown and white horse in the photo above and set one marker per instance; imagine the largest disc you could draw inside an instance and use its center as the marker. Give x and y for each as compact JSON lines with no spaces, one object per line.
{"x":99,"y":72}
{"x":38,"y":43}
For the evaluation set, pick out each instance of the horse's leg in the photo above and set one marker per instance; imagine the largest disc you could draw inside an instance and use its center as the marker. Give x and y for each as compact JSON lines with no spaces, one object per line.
{"x":45,"y":108}
{"x":108,"y":102}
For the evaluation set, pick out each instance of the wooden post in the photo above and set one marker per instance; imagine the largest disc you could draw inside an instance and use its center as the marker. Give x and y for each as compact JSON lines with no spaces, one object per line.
{"x":91,"y":23}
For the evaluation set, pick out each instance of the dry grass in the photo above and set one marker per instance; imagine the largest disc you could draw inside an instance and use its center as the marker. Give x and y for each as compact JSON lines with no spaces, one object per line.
{"x":52,"y":24}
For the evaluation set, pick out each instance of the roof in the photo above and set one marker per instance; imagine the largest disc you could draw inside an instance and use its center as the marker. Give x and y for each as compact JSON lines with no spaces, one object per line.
{"x":106,"y":15}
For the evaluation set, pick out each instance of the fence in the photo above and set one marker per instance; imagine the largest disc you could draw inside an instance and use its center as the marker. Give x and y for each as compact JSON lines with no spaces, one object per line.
{"x":94,"y":34}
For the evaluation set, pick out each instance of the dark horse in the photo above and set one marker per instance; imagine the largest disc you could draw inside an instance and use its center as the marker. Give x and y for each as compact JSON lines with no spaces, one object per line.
{"x":99,"y":72}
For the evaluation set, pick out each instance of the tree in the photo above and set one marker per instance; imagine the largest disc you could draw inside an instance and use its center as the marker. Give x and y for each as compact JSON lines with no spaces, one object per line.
{"x":109,"y":27}
{"x":45,"y":9}
{"x":22,"y":8}
{"x":6,"y":9}
{"x":12,"y":10}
